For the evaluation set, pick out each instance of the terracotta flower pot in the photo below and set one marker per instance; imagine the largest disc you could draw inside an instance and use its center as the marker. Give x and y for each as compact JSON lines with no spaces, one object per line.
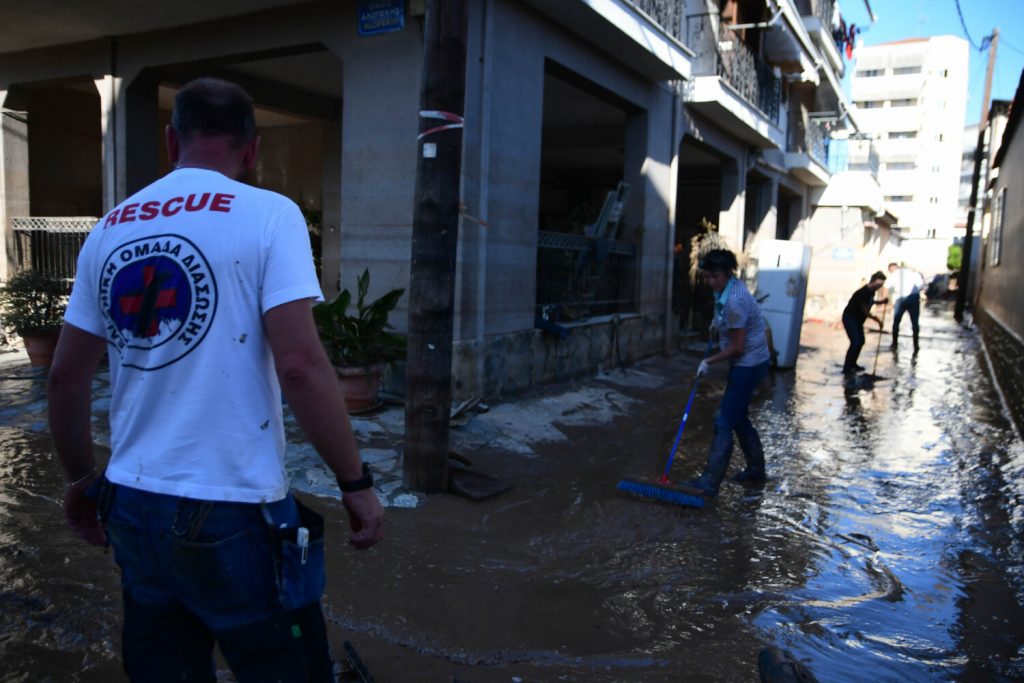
{"x":361,"y":387}
{"x":40,"y":349}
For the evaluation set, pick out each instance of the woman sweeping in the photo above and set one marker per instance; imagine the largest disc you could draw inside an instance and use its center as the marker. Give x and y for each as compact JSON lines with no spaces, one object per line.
{"x":740,"y":329}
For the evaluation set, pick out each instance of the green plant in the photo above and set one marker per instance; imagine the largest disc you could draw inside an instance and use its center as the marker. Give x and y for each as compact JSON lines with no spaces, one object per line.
{"x":954,"y":257}
{"x":361,"y":339}
{"x":32,"y":303}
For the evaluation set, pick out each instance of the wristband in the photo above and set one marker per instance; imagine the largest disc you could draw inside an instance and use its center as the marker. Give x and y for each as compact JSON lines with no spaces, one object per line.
{"x":364,"y":482}
{"x":82,"y":480}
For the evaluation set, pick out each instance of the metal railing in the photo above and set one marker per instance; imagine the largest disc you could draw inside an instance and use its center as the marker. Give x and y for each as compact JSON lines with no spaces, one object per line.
{"x":822,"y":9}
{"x":722,"y":53}
{"x":853,"y":155}
{"x":580,"y":277}
{"x":50,"y":244}
{"x":812,"y":139}
{"x":666,"y":13}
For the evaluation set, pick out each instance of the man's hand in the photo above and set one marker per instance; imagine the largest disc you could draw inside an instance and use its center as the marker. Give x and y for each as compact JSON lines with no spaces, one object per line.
{"x":365,"y":517}
{"x":703,"y":368}
{"x":81,"y":514}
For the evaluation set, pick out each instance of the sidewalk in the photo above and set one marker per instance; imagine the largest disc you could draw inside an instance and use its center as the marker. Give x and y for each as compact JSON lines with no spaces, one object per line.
{"x":514,"y":427}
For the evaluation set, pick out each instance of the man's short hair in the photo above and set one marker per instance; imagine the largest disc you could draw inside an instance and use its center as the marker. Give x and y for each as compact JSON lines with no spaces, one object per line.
{"x":894,"y":265}
{"x":879,"y":275}
{"x":210,"y":107}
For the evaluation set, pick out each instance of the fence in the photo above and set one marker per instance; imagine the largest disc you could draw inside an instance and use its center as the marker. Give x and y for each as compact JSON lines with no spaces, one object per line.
{"x":722,"y":53}
{"x":666,"y":13}
{"x":50,"y":244}
{"x":580,"y":277}
{"x":814,"y":138}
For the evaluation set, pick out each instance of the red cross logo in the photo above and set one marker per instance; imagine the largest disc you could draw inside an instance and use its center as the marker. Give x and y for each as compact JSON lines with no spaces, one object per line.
{"x":146,"y":304}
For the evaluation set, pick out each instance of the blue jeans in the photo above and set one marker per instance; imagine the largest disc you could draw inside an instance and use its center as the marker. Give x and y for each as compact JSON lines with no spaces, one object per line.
{"x":732,"y":416}
{"x":908,"y":304}
{"x":198,"y":572}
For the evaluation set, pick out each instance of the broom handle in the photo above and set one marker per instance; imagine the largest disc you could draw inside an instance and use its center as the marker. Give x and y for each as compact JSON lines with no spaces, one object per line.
{"x":686,"y":415}
{"x":878,"y":347}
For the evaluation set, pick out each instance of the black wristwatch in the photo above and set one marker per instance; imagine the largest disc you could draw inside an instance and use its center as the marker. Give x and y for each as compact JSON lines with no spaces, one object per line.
{"x":364,"y":482}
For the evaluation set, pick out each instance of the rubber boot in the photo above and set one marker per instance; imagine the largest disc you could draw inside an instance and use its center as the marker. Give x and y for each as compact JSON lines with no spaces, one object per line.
{"x":718,"y":463}
{"x":753,"y":451}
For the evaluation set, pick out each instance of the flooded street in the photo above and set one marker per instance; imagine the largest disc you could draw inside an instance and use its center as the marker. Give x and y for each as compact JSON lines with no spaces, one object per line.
{"x":887,"y":544}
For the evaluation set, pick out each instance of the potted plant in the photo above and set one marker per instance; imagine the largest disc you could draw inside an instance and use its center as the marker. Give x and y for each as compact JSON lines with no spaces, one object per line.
{"x":32,"y":303}
{"x":360,"y":344}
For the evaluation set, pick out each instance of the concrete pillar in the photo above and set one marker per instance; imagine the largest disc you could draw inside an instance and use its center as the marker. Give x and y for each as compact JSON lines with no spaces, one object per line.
{"x":730,"y":216}
{"x":113,"y":152}
{"x":14,"y":184}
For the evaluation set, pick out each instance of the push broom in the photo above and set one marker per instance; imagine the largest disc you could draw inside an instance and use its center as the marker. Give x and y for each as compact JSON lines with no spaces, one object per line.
{"x":662,"y":489}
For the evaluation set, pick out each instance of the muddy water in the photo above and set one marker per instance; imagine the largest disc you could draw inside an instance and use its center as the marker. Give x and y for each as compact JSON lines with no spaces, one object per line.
{"x":887,"y":544}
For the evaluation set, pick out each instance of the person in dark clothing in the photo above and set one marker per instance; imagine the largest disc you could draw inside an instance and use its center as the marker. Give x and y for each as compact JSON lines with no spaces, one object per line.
{"x":854,"y":316}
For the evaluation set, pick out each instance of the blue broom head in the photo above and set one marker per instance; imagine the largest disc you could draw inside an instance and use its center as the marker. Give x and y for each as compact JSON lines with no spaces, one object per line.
{"x":665,"y":494}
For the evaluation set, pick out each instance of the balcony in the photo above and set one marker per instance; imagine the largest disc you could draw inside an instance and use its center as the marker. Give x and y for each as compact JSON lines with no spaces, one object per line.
{"x":643,"y":34}
{"x":807,"y":152}
{"x":732,"y":85}
{"x":855,"y":154}
{"x":818,"y":16}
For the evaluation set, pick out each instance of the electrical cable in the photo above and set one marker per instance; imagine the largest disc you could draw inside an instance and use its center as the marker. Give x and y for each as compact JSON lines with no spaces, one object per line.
{"x":964,"y":24}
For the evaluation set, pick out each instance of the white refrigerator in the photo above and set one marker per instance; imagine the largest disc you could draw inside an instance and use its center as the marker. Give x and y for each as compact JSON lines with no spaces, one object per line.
{"x":782,"y":270}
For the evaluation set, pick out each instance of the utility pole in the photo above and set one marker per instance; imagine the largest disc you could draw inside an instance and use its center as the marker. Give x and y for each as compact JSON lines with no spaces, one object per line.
{"x":979,"y":154}
{"x":435,"y":232}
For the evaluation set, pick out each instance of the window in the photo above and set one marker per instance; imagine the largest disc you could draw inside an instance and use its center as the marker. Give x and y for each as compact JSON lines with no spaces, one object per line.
{"x":936,"y":168}
{"x":899,"y":198}
{"x":939,"y":137}
{"x":904,"y":70}
{"x":931,"y":233}
{"x":903,"y":135}
{"x":870,"y":104}
{"x":900,"y":166}
{"x":871,"y":73}
{"x":903,"y":103}
{"x":945,"y":73}
{"x":933,"y":200}
{"x":996,"y":238}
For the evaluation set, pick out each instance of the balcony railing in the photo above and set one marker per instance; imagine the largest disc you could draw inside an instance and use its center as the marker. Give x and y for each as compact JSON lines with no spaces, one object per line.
{"x":724,"y":54}
{"x":580,"y":277}
{"x":812,"y":139}
{"x":666,"y":13}
{"x":853,"y":155}
{"x":50,"y":244}
{"x":822,"y":9}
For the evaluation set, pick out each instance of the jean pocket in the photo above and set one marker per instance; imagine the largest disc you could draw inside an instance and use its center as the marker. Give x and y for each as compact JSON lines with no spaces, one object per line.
{"x":302,"y":577}
{"x":227,"y":575}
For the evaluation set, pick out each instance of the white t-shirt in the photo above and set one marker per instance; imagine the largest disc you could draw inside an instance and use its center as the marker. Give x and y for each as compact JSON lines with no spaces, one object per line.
{"x":904,"y":282}
{"x":177,"y":279}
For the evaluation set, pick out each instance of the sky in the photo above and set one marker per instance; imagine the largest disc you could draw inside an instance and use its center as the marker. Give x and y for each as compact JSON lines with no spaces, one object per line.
{"x":898,"y":19}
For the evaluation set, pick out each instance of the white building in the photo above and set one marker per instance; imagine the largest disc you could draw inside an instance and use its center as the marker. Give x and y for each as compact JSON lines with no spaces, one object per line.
{"x":911,"y":97}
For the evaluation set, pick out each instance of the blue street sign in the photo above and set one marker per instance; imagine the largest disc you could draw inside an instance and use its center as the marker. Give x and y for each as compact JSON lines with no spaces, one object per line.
{"x":381,"y":16}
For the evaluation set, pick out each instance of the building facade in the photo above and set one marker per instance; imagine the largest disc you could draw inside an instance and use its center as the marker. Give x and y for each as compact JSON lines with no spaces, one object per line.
{"x":597,"y":137}
{"x":999,"y":309}
{"x":911,"y":99}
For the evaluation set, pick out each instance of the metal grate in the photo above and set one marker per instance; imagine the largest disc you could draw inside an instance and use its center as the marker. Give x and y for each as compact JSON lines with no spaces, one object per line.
{"x":581,"y":277}
{"x":50,"y":244}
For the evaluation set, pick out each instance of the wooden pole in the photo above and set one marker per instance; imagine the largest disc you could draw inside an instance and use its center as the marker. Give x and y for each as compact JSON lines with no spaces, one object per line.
{"x":979,"y":154}
{"x":435,"y":232}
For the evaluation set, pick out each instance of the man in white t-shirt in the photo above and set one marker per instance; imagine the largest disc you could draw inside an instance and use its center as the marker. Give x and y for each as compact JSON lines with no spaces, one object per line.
{"x":905,"y":286}
{"x":199,"y":288}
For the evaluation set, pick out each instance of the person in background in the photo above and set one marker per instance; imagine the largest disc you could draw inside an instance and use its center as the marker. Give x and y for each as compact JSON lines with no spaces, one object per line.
{"x":857,"y":311}
{"x":739,"y":326}
{"x":199,"y":288}
{"x":905,"y":287}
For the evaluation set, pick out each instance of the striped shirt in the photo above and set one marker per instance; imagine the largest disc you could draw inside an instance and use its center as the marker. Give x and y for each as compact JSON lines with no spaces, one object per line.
{"x":736,"y":309}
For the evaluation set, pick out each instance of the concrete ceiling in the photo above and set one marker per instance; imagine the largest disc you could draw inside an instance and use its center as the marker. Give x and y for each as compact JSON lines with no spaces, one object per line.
{"x":32,"y":24}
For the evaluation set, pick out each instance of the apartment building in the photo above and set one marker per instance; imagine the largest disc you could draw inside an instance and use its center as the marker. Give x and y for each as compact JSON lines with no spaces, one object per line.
{"x":717,"y":109}
{"x":911,"y":97}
